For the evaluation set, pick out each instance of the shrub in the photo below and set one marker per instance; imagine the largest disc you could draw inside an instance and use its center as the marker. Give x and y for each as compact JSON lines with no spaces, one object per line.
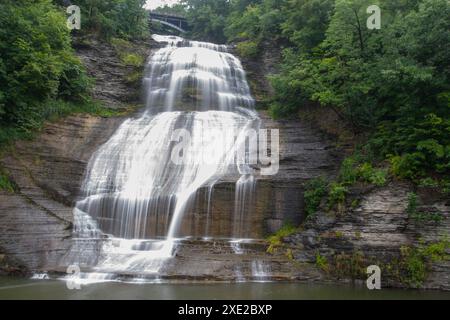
{"x":5,"y":183}
{"x":134,"y":60}
{"x":37,"y":63}
{"x":315,"y":191}
{"x":416,"y":262}
{"x":276,"y":239}
{"x":420,"y":216}
{"x":322,"y":262}
{"x":351,"y":172}
{"x":348,"y":174}
{"x":248,"y":49}
{"x":350,"y":265}
{"x":337,"y":196}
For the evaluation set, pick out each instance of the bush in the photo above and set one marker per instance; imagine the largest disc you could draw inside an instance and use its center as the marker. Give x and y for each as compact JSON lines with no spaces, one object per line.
{"x":371,"y":175}
{"x":276,"y":239}
{"x":349,"y":173}
{"x":315,"y":191}
{"x":37,"y":63}
{"x":133,"y":60}
{"x":420,"y":216}
{"x":125,"y":19}
{"x":322,"y":262}
{"x":337,"y":196}
{"x":5,"y":183}
{"x":248,"y":49}
{"x":416,"y":262}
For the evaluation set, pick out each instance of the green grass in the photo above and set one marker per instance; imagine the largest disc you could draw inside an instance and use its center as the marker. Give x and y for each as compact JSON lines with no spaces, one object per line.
{"x":276,"y":239}
{"x":125,"y":51}
{"x":416,"y":263}
{"x":322,"y":262}
{"x":5,"y":182}
{"x":134,"y":60}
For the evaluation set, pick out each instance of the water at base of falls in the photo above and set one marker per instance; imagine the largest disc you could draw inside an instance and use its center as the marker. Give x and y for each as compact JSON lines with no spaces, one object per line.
{"x":134,"y":195}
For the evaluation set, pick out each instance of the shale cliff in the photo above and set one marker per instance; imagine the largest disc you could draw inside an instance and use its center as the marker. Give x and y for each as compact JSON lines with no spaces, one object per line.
{"x":36,"y":220}
{"x":374,"y":227}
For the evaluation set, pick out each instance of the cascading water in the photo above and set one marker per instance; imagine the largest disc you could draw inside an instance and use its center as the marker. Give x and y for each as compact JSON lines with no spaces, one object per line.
{"x":135,"y":194}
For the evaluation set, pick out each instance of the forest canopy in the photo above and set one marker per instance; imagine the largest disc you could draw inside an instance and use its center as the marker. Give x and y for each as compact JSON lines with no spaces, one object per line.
{"x":392,"y":83}
{"x":40,"y":75}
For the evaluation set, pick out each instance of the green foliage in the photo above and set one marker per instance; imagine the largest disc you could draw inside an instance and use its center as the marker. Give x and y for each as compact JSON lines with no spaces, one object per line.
{"x":392,"y":83}
{"x":207,"y":19}
{"x":5,"y":183}
{"x":336,"y":196}
{"x":56,"y":109}
{"x":177,"y":9}
{"x":416,"y":262}
{"x":420,"y":216}
{"x":322,"y":262}
{"x":127,"y":54}
{"x":349,"y":265}
{"x":133,"y":60}
{"x":248,"y":49}
{"x":8,"y":134}
{"x":114,"y":18}
{"x":37,"y":63}
{"x":276,"y":239}
{"x":353,"y":169}
{"x":411,"y":209}
{"x":315,"y":191}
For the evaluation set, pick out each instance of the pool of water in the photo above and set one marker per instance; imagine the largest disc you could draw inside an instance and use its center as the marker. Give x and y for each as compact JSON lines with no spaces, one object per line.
{"x":16,"y":288}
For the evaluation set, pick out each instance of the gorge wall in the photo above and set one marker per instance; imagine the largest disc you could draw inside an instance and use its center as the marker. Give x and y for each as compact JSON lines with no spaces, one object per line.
{"x":36,"y":221}
{"x":375,"y":231}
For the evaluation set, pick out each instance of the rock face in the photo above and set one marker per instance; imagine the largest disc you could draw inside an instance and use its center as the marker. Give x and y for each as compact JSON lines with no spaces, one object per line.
{"x":304,"y":154}
{"x":373,"y":234}
{"x":36,"y":221}
{"x":103,"y":63}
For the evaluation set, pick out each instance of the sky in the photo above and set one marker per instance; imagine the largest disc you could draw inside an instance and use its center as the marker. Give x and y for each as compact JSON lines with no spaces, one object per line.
{"x":152,"y":4}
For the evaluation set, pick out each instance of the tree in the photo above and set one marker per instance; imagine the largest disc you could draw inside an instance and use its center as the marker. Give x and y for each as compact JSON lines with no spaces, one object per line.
{"x":36,"y":61}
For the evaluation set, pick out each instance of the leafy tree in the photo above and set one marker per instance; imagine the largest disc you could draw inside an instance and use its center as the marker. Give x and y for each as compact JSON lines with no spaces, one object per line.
{"x":178,"y":9}
{"x":207,"y":19}
{"x":392,"y":83}
{"x":114,"y":18}
{"x":36,"y":61}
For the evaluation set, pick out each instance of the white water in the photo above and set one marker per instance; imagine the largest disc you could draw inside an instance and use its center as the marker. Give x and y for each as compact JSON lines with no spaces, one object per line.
{"x":135,"y":197}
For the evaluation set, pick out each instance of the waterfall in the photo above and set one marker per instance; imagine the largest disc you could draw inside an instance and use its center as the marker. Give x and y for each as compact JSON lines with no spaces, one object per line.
{"x":135,"y":194}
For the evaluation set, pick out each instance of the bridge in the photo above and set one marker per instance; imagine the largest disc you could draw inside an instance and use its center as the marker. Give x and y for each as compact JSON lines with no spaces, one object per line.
{"x":176,"y":22}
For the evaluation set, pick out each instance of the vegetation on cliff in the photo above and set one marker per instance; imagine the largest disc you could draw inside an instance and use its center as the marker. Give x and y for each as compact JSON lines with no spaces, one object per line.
{"x":390,"y":84}
{"x":113,"y":18}
{"x":41,"y":77}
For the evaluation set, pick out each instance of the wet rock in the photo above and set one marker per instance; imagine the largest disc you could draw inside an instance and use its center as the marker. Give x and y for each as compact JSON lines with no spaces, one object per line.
{"x":376,"y":230}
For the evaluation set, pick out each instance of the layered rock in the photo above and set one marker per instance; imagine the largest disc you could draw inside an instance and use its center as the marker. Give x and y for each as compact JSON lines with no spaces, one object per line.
{"x":374,"y":233}
{"x":36,"y":220}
